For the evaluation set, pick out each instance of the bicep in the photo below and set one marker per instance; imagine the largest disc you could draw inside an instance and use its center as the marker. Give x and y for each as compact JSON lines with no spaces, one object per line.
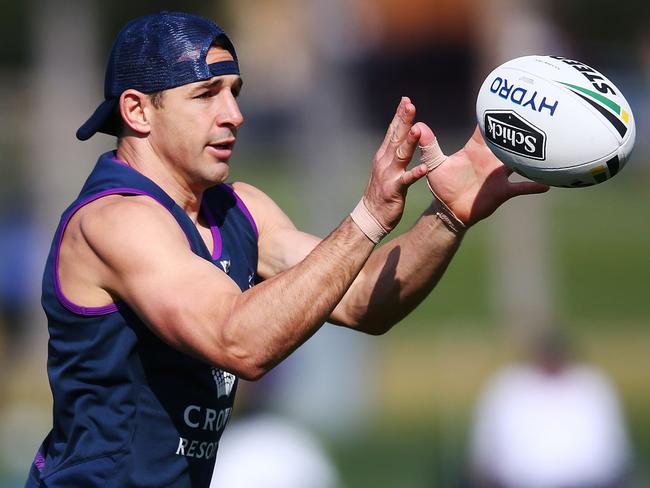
{"x":280,"y":244}
{"x":186,"y":301}
{"x":283,"y":249}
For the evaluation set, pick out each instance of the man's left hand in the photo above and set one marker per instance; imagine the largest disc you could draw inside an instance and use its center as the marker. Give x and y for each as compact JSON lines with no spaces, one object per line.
{"x":473,"y":183}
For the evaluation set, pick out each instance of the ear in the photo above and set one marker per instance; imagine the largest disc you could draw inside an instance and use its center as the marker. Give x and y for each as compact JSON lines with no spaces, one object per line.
{"x":134,"y":108}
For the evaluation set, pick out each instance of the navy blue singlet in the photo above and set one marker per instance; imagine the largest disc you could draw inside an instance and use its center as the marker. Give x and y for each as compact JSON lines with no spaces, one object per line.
{"x":129,"y":410}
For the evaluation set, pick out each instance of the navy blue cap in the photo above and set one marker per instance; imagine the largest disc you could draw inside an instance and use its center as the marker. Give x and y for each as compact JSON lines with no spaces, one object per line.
{"x":155,"y":53}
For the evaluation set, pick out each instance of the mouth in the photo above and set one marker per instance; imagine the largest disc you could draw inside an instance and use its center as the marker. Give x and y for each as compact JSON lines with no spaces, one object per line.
{"x":223,"y":149}
{"x":223,"y":145}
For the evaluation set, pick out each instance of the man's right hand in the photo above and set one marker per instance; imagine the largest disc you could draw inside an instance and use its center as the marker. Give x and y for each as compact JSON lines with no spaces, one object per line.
{"x":390,"y":179}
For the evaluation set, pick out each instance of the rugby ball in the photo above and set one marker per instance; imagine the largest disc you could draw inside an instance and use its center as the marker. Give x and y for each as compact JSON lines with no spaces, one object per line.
{"x":555,"y":121}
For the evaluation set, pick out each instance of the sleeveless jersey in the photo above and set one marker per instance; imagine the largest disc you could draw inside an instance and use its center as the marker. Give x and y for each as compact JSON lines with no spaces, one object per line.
{"x":130,"y":410}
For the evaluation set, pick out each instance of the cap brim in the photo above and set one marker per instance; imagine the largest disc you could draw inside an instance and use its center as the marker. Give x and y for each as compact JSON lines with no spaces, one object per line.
{"x":100,"y":121}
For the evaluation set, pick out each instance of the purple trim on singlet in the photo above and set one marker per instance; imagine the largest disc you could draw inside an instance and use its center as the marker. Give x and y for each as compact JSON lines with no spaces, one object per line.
{"x":244,"y":209}
{"x":39,"y":460}
{"x":71,"y":306}
{"x":217,"y":245}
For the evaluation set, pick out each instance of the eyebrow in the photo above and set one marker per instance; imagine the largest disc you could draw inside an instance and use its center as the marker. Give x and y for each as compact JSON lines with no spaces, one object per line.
{"x":237,"y":85}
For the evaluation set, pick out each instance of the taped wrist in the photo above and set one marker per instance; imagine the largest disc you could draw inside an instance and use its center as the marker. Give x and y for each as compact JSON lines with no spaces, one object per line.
{"x":446,"y":215}
{"x":432,"y":155}
{"x":367,"y":222}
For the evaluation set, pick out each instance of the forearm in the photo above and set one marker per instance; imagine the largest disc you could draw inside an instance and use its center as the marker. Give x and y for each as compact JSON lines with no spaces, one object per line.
{"x":399,"y":275}
{"x":272,"y":319}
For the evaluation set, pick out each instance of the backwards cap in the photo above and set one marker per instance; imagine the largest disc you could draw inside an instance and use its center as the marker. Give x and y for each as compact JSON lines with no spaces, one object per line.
{"x":155,"y":53}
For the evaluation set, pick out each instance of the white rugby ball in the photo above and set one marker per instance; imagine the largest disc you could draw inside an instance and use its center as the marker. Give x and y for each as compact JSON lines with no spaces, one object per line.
{"x":555,"y":120}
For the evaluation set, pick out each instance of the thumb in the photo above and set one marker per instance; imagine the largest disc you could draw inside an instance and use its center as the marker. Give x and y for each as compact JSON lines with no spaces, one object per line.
{"x":431,"y":154}
{"x":426,"y":134}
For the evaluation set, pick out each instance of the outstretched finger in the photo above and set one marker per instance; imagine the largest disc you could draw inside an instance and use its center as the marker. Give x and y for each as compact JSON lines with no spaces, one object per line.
{"x":404,"y":152}
{"x":404,"y":124}
{"x":394,"y":125}
{"x":526,"y":188}
{"x":391,"y":127}
{"x":413,"y":175}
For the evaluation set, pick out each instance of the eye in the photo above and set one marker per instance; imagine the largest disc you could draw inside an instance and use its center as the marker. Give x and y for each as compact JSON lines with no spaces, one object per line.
{"x":205,"y":94}
{"x":236,"y":88}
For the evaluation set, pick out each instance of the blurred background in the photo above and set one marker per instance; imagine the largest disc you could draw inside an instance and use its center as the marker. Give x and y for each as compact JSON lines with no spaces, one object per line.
{"x":322,"y":79}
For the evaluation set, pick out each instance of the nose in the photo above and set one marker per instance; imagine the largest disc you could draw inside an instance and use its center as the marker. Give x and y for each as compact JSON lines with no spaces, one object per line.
{"x":230,"y":114}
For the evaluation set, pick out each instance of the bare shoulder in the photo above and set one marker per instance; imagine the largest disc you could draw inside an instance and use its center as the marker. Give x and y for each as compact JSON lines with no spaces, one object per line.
{"x":251,"y":194}
{"x":281,"y":245}
{"x":108,"y":237}
{"x":117,"y":223}
{"x":267,"y":214}
{"x":121,"y":207}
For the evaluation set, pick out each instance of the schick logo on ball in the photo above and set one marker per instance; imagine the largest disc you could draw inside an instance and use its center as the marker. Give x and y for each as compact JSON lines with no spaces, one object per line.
{"x":507,"y":130}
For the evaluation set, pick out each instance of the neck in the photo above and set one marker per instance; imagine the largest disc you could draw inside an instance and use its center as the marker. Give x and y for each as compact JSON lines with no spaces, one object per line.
{"x":144,"y":159}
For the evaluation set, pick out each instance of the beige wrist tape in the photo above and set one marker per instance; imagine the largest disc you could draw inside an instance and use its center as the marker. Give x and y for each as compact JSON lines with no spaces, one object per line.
{"x":446,"y":215}
{"x":368,"y":224}
{"x":432,"y":156}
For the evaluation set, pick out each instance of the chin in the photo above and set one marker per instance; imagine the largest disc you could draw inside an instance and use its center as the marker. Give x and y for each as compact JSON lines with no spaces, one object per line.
{"x":220,"y":173}
{"x":211,"y":172}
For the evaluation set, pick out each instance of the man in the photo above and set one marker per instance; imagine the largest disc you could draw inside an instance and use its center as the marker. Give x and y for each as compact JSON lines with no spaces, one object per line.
{"x":550,"y":421}
{"x":149,"y":290}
